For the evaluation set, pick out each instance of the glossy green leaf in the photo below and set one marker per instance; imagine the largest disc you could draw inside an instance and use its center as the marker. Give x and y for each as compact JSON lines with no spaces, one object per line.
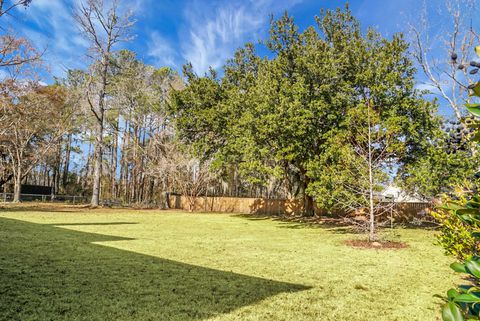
{"x":473,"y":267}
{"x":452,"y":294}
{"x":474,"y":109}
{"x":467,"y":218}
{"x":458,"y":267}
{"x":473,"y":204}
{"x":451,"y":312}
{"x":467,"y":298}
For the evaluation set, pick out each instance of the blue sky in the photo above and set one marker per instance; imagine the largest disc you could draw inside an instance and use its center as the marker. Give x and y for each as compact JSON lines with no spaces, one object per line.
{"x":206,"y":33}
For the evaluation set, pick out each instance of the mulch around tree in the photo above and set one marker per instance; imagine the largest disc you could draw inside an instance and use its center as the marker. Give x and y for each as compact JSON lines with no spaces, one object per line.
{"x":380,"y":245}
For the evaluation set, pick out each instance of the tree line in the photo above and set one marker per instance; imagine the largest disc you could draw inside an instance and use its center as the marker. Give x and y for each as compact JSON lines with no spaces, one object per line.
{"x":330,"y":114}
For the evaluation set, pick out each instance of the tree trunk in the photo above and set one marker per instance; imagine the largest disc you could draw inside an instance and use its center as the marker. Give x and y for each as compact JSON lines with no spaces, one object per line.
{"x":17,"y":185}
{"x":67,"y":162}
{"x":371,"y":235}
{"x":123,"y":163}
{"x":308,"y":208}
{"x":56,"y":172}
{"x":113,"y":169}
{"x":97,"y":167}
{"x":100,"y":114}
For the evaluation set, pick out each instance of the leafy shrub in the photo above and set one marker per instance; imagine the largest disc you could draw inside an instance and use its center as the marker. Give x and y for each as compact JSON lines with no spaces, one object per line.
{"x":456,"y":235}
{"x":463,"y":303}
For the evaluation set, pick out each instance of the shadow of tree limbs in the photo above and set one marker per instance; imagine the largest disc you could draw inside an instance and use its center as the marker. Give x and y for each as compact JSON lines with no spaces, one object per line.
{"x":50,"y":273}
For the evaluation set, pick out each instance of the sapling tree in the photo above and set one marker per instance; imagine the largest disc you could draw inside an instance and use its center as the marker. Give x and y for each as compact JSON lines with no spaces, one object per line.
{"x":385,"y":125}
{"x":362,"y":161}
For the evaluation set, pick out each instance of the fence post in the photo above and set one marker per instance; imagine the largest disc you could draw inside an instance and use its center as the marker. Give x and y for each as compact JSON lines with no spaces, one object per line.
{"x":4,"y":197}
{"x":73,"y":199}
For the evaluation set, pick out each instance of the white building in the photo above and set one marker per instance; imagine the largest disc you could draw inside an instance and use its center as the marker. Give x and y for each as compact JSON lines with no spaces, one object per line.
{"x":400,"y":196}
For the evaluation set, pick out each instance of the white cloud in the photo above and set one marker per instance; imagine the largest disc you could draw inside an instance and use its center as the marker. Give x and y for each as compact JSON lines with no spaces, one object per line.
{"x":214,"y":32}
{"x":160,"y":49}
{"x":52,"y":29}
{"x":209,"y":31}
{"x":427,"y":87}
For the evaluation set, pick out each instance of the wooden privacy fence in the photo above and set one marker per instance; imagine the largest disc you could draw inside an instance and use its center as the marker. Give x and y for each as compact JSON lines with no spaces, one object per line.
{"x":400,"y":211}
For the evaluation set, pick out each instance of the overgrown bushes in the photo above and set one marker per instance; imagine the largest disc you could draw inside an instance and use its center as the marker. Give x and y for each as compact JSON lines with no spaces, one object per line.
{"x":455,"y":234}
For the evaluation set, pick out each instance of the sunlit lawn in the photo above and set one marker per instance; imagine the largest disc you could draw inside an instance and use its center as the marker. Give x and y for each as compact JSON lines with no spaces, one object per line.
{"x":76,"y":264}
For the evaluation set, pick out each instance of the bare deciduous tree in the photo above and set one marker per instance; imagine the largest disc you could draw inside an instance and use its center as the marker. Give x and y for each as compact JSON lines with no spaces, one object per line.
{"x":104,"y":28}
{"x":178,"y":169}
{"x":15,"y":51}
{"x":436,"y":55}
{"x":36,"y":120}
{"x":7,"y":6}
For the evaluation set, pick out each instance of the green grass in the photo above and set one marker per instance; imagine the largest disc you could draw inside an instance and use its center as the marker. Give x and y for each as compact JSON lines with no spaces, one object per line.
{"x":154,"y":265}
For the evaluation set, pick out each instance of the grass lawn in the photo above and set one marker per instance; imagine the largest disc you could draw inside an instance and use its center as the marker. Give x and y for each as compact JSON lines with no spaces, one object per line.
{"x":74,"y":264}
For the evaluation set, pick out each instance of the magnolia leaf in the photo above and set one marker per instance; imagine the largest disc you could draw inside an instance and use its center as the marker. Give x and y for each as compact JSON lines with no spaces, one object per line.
{"x":451,"y":312}
{"x":452,"y":294}
{"x":467,"y":298}
{"x":473,"y":204}
{"x":474,"y":109}
{"x":466,"y":218}
{"x":458,"y":267}
{"x":473,"y":267}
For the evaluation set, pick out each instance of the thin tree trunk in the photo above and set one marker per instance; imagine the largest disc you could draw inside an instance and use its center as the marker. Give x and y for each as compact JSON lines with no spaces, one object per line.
{"x":87,"y":169}
{"x":100,"y":113}
{"x":113,"y":169}
{"x":67,"y":161}
{"x":97,"y":167}
{"x":123,"y":162}
{"x":372,"y":235}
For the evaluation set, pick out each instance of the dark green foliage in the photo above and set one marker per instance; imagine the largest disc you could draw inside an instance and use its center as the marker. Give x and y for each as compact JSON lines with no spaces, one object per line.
{"x":281,"y":118}
{"x":463,"y":303}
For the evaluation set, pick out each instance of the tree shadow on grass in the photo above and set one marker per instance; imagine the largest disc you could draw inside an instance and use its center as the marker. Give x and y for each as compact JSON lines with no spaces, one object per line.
{"x":93,"y":224}
{"x":336,"y":226}
{"x":50,"y":273}
{"x":41,"y":207}
{"x":291,"y":222}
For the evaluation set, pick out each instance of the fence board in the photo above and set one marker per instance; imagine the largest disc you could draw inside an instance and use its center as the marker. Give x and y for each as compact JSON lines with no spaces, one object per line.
{"x":401,"y":211}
